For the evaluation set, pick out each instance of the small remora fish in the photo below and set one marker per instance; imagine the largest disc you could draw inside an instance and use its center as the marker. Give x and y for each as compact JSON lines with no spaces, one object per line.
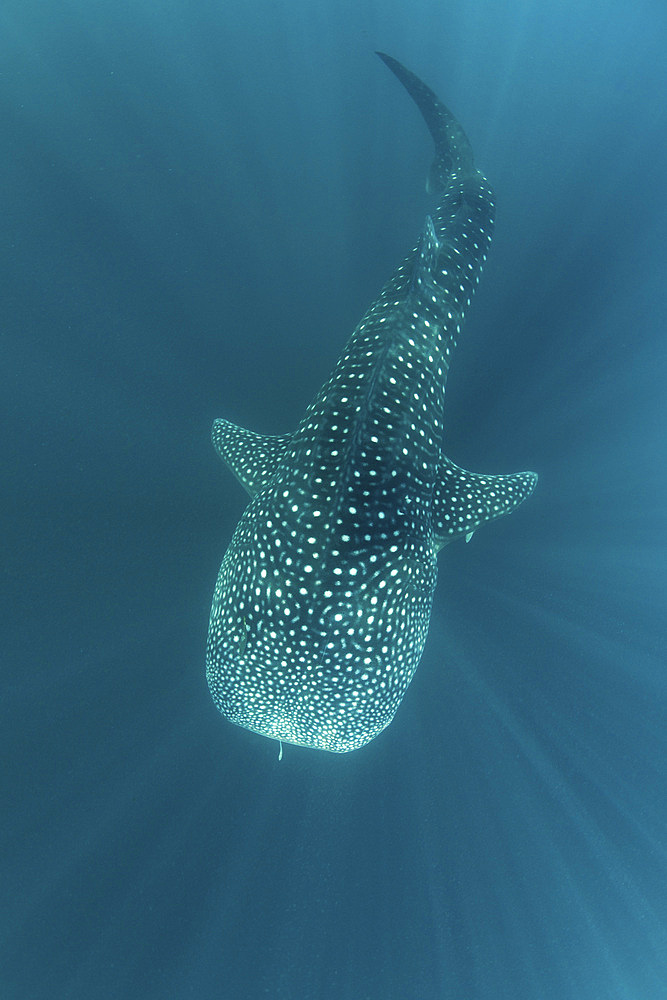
{"x":323,"y":600}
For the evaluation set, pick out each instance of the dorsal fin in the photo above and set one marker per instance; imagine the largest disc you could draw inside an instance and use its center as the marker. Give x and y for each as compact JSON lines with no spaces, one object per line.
{"x":426,"y":258}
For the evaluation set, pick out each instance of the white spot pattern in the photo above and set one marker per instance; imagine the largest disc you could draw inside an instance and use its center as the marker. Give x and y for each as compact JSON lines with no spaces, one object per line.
{"x":323,"y":600}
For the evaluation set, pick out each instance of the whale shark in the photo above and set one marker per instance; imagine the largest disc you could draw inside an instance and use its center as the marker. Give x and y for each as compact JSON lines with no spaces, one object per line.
{"x":323,"y":600}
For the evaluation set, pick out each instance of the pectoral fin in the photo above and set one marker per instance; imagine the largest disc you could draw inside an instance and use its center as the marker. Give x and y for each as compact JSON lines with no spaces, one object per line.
{"x":463,"y":500}
{"x":253,"y":458}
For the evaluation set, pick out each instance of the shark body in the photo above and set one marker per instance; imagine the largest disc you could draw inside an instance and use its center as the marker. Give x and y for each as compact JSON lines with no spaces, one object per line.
{"x":323,"y":600}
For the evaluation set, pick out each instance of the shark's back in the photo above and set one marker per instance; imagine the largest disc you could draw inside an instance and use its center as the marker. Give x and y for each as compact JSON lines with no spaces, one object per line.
{"x":323,"y":601}
{"x":376,"y":424}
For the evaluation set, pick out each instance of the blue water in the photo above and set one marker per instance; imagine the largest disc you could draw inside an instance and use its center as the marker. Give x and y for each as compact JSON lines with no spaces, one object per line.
{"x":198,"y":202}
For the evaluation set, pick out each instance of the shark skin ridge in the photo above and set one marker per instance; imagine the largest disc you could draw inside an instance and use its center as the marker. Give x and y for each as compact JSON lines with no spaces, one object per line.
{"x":323,"y":600}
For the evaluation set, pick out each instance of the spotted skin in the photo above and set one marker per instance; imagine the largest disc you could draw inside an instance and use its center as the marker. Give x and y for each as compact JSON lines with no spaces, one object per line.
{"x":323,"y":600}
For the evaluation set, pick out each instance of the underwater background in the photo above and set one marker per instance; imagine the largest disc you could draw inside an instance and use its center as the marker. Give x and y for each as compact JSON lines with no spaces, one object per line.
{"x":198,"y":201}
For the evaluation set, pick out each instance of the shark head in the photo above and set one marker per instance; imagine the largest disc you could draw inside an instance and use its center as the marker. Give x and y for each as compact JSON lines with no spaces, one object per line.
{"x":319,"y":617}
{"x":323,"y":601}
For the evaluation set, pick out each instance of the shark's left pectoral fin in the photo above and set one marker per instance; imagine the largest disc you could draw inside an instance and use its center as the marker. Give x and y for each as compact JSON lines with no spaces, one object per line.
{"x":463,"y":500}
{"x":253,"y":458}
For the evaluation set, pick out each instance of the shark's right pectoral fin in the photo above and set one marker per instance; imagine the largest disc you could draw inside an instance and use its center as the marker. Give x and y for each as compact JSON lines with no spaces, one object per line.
{"x":253,"y":458}
{"x":463,"y":500}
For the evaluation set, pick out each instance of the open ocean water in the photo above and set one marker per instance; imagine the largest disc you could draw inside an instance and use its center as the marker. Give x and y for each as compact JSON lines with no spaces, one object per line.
{"x":198,"y":202}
